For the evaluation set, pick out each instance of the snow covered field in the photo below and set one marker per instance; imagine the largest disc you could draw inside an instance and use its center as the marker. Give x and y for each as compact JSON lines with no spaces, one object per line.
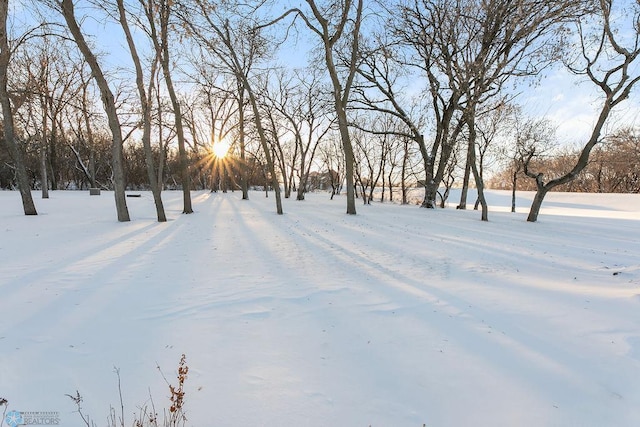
{"x":398,"y":316}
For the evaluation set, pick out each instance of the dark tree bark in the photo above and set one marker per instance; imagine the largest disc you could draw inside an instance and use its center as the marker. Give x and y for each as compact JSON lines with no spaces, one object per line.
{"x":7,"y":116}
{"x":514,"y":184}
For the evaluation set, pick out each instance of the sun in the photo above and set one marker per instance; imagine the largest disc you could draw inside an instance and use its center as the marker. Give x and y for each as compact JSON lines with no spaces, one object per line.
{"x":220,"y":149}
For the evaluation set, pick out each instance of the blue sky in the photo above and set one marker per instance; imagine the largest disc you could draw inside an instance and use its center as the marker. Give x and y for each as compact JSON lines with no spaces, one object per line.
{"x":570,"y":101}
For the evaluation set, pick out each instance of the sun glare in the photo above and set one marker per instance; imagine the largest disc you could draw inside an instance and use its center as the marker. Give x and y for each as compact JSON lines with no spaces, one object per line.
{"x":220,"y":149}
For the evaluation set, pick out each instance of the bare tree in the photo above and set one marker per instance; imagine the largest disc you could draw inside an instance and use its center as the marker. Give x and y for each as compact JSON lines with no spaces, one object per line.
{"x":407,"y":166}
{"x":7,"y":115}
{"x":337,"y":25}
{"x":240,"y":99}
{"x":332,"y":159}
{"x":284,"y":149}
{"x":611,"y":67}
{"x":492,"y":123}
{"x":82,"y":126}
{"x":427,"y":31}
{"x":227,"y":106}
{"x":158,"y":14}
{"x":233,"y":44}
{"x":212,"y":116}
{"x":385,"y":78}
{"x":395,"y":153}
{"x":468,"y":50}
{"x":374,"y":149}
{"x":534,"y":140}
{"x":367,"y":172}
{"x":54,"y":74}
{"x":145,"y":100}
{"x":299,"y":100}
{"x":66,"y":8}
{"x":615,"y":164}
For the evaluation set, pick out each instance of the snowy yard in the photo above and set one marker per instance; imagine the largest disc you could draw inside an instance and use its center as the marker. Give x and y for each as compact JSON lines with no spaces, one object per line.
{"x":398,"y":316}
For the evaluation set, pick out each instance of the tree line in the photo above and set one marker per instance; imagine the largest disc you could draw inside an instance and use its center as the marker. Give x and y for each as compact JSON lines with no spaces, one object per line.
{"x":612,"y":167}
{"x":379,"y":95}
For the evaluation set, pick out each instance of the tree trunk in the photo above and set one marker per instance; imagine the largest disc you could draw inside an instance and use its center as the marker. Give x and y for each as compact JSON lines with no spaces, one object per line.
{"x":185,"y":176}
{"x":277,"y":147}
{"x":390,"y":183}
{"x":225,"y":180}
{"x":89,"y":138}
{"x":448,"y":144}
{"x":244,"y":185}
{"x":474,"y":167}
{"x":265,"y":145}
{"x":92,"y":168}
{"x":44,"y":180}
{"x":304,"y":176}
{"x":403,"y":173}
{"x":341,"y":92}
{"x":465,"y":180}
{"x":108,"y":102}
{"x":146,"y":113}
{"x":7,"y":116}
{"x":431,"y":191}
{"x":384,"y":186}
{"x":349,"y":158}
{"x":583,"y":159}
{"x":537,"y":203}
{"x":44,"y":175}
{"x":301,"y":188}
{"x":514,"y":182}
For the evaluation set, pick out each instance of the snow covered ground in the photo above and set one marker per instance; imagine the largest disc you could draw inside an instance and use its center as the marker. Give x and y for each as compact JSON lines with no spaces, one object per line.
{"x":398,"y":316}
